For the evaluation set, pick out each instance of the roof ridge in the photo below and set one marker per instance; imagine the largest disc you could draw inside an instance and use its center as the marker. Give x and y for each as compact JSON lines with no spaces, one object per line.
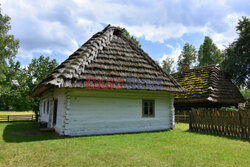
{"x":197,"y":68}
{"x":89,"y":50}
{"x":56,"y":72}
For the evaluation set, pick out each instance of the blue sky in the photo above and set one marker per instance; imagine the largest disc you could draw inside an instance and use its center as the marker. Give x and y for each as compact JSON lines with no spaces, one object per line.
{"x":57,"y":28}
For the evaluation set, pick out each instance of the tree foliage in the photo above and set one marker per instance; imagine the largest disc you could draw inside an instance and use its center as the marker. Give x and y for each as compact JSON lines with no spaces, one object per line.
{"x":209,"y":53}
{"x":19,"y":82}
{"x":126,"y":33}
{"x":16,"y":82}
{"x":168,"y":65}
{"x":9,"y":86}
{"x":237,"y":55}
{"x":188,"y":56}
{"x":245,"y":93}
{"x":36,"y":71}
{"x":8,"y":44}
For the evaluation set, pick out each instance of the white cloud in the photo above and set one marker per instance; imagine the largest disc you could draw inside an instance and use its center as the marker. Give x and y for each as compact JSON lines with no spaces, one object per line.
{"x":169,"y":46}
{"x":40,"y":27}
{"x":63,"y":25}
{"x":25,"y":54}
{"x":156,"y":33}
{"x":175,"y":52}
{"x":223,"y":39}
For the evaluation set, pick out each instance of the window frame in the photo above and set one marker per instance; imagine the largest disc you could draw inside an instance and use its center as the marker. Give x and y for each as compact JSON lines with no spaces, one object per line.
{"x":153,"y":107}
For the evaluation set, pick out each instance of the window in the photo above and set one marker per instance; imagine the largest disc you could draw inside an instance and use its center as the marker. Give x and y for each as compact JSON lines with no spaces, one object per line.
{"x":148,"y":108}
{"x":48,"y":107}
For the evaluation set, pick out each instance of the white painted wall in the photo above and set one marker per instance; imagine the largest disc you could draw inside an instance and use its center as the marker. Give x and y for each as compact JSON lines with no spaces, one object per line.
{"x":103,"y":112}
{"x":50,"y":95}
{"x":60,"y":96}
{"x":44,"y":114}
{"x":90,"y":112}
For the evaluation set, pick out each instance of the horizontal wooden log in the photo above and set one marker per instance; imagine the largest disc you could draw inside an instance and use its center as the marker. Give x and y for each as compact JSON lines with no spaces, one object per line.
{"x":12,"y":118}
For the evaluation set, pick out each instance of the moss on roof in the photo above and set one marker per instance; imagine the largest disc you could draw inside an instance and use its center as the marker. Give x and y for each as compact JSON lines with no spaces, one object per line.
{"x":207,"y":84}
{"x":196,"y":82}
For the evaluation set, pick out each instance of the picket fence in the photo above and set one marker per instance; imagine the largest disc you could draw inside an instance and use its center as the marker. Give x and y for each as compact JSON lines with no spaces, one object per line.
{"x":216,"y":121}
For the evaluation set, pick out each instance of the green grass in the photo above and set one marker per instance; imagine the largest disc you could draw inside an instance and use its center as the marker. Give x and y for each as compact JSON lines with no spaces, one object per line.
{"x":177,"y":147}
{"x":16,"y":112}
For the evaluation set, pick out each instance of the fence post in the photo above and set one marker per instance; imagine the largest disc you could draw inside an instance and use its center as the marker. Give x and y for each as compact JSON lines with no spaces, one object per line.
{"x":190,"y":120}
{"x":248,"y":123}
{"x":241,"y":126}
{"x":8,"y":118}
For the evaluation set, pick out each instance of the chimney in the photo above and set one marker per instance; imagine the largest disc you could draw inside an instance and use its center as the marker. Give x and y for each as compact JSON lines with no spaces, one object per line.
{"x":185,"y":67}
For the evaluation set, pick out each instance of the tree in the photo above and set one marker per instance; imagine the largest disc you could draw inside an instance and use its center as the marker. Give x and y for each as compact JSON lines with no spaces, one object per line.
{"x":20,"y":82}
{"x":168,"y":65}
{"x":8,"y":92}
{"x":8,"y":49}
{"x":36,"y":71}
{"x":126,"y":33}
{"x":209,"y":53}
{"x":237,"y":55}
{"x":8,"y":44}
{"x":39,"y":68}
{"x":188,"y":56}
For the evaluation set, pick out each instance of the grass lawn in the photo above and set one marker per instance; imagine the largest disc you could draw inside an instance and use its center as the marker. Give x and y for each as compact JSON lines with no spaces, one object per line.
{"x":16,"y":112}
{"x":21,"y":144}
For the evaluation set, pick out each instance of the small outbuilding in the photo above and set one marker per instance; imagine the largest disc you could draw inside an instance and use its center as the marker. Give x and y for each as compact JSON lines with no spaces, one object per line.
{"x":208,"y":87}
{"x":109,"y":85}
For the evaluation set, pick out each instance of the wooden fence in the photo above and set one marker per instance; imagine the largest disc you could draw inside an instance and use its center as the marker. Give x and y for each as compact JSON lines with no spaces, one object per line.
{"x":13,"y":118}
{"x":182,"y":116}
{"x":228,"y":123}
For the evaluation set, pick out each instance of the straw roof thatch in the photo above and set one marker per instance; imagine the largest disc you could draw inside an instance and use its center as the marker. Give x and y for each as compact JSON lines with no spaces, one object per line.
{"x":207,"y":87}
{"x":107,"y":54}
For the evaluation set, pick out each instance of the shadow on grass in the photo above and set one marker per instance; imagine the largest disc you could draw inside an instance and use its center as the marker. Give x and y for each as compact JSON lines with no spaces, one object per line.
{"x":217,"y":135}
{"x":18,"y":132}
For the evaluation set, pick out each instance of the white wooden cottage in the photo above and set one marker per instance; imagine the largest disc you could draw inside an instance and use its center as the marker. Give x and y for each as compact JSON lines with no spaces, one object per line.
{"x":109,"y":85}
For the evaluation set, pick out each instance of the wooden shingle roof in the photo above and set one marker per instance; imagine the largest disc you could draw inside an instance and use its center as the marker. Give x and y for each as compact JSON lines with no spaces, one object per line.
{"x":207,"y":84}
{"x":107,"y":54}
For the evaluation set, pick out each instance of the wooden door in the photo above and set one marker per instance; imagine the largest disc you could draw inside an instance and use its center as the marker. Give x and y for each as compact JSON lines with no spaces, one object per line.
{"x":55,"y":112}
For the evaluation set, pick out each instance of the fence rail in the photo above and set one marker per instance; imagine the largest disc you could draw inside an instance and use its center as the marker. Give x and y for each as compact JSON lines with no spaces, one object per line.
{"x":13,"y":118}
{"x":182,"y":118}
{"x":229,"y":123}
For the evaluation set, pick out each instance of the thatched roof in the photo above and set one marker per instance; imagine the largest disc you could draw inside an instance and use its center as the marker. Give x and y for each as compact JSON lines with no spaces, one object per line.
{"x":206,"y":86}
{"x":107,"y":54}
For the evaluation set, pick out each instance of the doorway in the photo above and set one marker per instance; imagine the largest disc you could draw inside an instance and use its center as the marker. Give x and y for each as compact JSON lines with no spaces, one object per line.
{"x":55,"y":112}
